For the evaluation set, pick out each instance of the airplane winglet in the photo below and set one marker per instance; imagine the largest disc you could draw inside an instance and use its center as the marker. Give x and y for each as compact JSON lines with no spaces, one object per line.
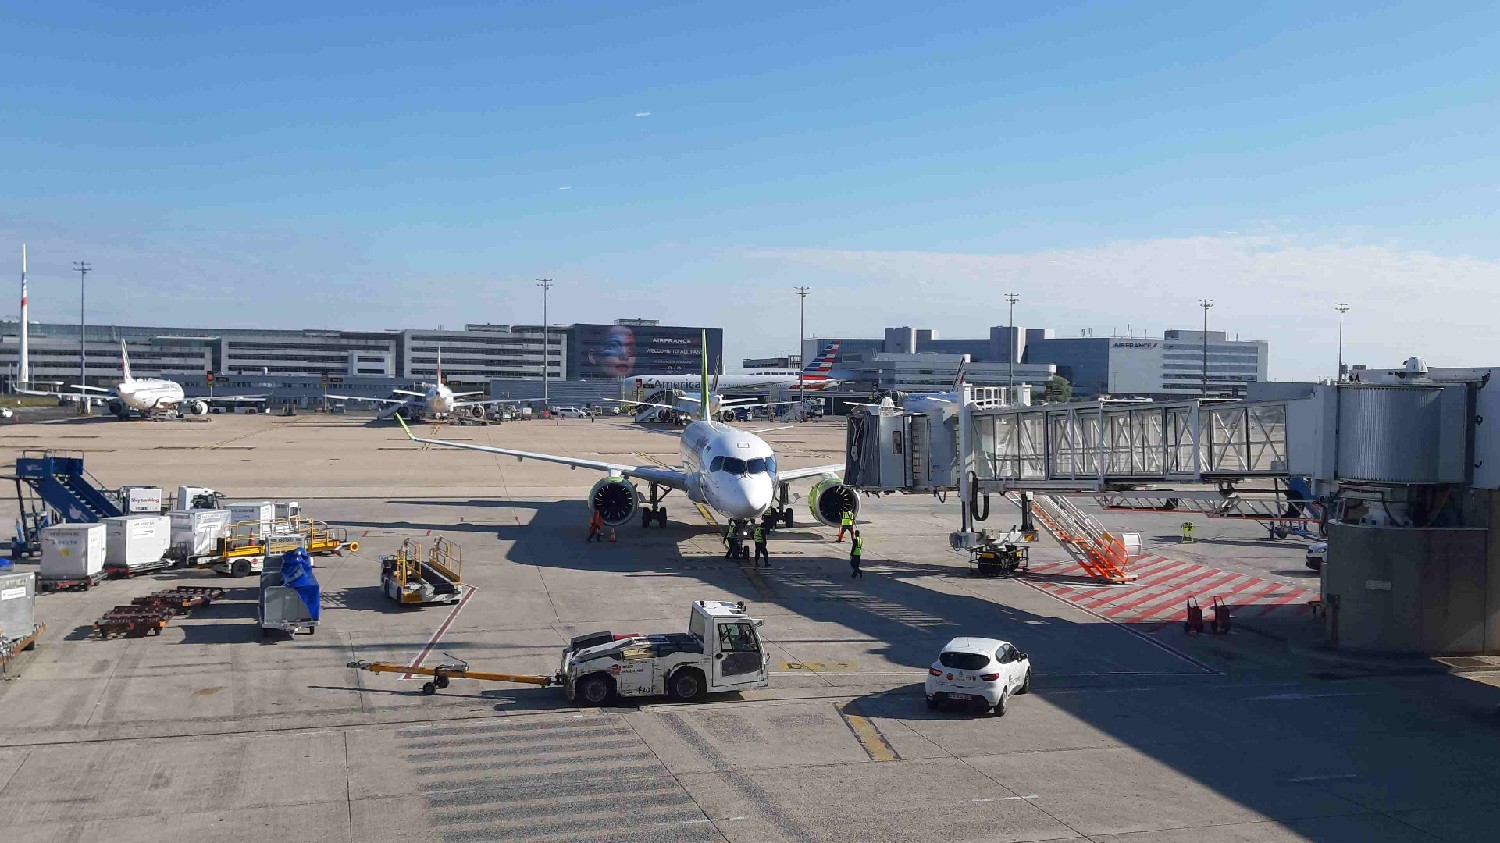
{"x":402,"y":422}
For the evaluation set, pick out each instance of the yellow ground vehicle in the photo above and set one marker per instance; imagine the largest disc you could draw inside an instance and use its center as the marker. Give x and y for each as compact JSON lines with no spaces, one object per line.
{"x":243,"y":551}
{"x":411,"y":578}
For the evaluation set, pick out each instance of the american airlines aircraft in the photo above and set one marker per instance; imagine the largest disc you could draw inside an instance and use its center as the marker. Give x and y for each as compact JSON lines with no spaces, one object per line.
{"x":151,"y":397}
{"x":438,"y":401}
{"x":814,"y":376}
{"x":731,"y":470}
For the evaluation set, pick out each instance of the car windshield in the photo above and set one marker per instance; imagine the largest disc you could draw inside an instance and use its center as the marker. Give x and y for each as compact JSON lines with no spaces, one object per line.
{"x":965,"y":661}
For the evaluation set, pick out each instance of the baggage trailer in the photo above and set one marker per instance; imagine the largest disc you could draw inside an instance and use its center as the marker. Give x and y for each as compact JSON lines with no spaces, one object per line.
{"x":242,"y":552}
{"x":133,"y":620}
{"x":720,"y":652}
{"x":289,"y":596}
{"x":411,"y":579}
{"x":182,"y":599}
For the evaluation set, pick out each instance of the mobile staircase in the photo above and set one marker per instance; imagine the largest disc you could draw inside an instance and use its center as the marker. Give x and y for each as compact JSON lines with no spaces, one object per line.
{"x":63,"y":484}
{"x":1101,"y":554}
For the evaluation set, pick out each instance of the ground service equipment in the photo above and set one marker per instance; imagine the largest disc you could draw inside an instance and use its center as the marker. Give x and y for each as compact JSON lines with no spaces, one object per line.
{"x":72,"y":556}
{"x":18,"y":626}
{"x":290,"y":596}
{"x":242,"y":552}
{"x":412,"y":579}
{"x":721,"y":651}
{"x":136,"y":543}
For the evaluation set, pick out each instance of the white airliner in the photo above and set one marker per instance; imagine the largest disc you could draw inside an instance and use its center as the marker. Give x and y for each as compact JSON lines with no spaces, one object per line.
{"x":732,"y":470}
{"x":437,"y":401}
{"x":147,"y":396}
{"x":814,"y":376}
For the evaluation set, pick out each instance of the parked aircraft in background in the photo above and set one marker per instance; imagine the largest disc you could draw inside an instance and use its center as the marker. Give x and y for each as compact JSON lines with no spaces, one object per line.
{"x":150,"y":397}
{"x":437,"y":401}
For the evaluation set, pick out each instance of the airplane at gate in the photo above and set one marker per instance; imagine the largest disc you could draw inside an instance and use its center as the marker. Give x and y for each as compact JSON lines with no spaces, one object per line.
{"x":437,"y":401}
{"x":733,"y":471}
{"x":147,"y":396}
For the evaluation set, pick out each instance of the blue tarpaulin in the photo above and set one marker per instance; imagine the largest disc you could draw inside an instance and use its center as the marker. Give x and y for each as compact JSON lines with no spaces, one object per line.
{"x":297,"y":574}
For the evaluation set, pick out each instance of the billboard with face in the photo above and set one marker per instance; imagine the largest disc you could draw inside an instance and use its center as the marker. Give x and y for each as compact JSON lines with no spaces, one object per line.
{"x":619,"y":351}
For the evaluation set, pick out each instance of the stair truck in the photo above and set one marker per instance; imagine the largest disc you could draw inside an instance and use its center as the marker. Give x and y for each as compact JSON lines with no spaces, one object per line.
{"x":721,"y":651}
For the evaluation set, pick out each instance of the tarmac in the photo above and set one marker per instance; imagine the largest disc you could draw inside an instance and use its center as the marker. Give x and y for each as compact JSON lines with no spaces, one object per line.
{"x":1135,"y":730}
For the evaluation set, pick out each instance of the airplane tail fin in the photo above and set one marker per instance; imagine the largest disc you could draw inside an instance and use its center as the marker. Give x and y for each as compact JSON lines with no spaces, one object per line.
{"x":958,"y":380}
{"x":704,"y":409}
{"x":824,"y":364}
{"x":125,"y":361}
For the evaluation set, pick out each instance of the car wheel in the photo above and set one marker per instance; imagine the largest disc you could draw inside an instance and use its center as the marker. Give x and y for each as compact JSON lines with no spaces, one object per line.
{"x":594,"y":689}
{"x":429,"y":688}
{"x":932,"y":703}
{"x":1001,"y":706}
{"x":686,"y":686}
{"x":1025,"y":683}
{"x":240,"y":568}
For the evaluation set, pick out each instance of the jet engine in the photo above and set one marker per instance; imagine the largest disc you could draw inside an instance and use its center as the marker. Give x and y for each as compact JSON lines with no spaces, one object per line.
{"x":117,"y":408}
{"x":197,"y":408}
{"x":830,"y":499}
{"x":615,"y":500}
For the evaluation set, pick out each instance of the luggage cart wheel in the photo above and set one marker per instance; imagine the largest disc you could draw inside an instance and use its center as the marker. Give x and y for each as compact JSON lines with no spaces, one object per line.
{"x":429,"y":688}
{"x":440,"y":681}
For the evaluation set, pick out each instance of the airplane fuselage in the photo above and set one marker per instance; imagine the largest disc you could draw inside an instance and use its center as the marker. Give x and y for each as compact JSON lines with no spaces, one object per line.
{"x":148,"y":394}
{"x":693,"y":382}
{"x":438,"y":400}
{"x":735,"y":470}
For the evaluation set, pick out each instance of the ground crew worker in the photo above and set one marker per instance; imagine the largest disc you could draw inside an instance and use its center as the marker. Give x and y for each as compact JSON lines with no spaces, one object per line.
{"x":732,"y":543}
{"x":760,"y":546}
{"x":596,"y":527}
{"x":846,"y":522}
{"x":855,"y":551}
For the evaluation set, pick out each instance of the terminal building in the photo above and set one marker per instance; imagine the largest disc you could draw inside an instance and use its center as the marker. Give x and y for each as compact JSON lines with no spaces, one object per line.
{"x":297,"y":363}
{"x":1166,"y":367}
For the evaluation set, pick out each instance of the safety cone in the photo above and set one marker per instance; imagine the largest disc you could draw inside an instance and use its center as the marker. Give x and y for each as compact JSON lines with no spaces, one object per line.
{"x":611,"y":534}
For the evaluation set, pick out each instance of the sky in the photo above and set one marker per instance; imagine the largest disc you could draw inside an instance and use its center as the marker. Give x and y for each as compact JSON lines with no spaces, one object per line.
{"x":298,"y":165}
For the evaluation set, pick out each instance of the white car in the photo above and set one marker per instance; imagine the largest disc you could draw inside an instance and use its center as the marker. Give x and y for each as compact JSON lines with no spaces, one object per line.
{"x":569,"y":413}
{"x":1316,"y":553}
{"x":978,"y":672}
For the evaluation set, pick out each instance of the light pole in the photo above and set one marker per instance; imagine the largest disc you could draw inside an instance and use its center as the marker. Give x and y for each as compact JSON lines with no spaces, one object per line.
{"x":1205,"y":304}
{"x":545,"y":284}
{"x":1342,"y":308}
{"x":1010,"y":351}
{"x":801,"y":338}
{"x":82,"y":268}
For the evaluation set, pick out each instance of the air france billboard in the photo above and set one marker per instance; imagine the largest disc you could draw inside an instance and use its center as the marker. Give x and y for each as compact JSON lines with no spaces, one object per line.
{"x":622,"y":351}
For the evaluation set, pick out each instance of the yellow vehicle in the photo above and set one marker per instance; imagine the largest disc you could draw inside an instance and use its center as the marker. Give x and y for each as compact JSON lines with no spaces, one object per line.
{"x":412,"y":579}
{"x":243,"y":551}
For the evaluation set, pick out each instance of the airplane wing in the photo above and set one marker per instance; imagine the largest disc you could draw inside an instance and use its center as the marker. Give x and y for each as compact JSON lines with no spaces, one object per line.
{"x":58,"y":394}
{"x":813,"y":471}
{"x":363,"y":398}
{"x":671,"y":478}
{"x":409,"y":392}
{"x":461,"y":404}
{"x":467,"y":394}
{"x":641,"y":403}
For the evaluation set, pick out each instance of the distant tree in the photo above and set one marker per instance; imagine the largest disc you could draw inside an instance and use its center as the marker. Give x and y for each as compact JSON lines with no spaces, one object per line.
{"x":1058,"y":390}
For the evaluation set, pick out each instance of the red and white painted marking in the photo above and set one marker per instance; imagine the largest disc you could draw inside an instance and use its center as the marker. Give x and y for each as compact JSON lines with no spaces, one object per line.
{"x":1160,"y":593}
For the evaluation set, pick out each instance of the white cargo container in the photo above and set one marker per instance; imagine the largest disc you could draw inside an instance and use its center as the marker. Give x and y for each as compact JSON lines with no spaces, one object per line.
{"x":262,"y":511}
{"x":72,"y":551}
{"x":145,"y":499}
{"x":196,"y":532}
{"x":287,"y":509}
{"x":136,"y":541}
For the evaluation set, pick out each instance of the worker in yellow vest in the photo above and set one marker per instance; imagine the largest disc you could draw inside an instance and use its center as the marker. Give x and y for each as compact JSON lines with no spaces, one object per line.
{"x":846,"y":522}
{"x":760,"y":546}
{"x":855,"y":551}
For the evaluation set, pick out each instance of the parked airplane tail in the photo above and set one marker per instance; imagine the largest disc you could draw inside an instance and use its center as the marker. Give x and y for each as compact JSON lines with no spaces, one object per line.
{"x":958,"y":380}
{"x":824,"y":364}
{"x":125,"y":362}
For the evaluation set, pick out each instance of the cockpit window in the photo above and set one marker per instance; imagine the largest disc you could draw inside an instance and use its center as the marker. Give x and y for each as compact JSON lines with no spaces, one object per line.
{"x":733,"y":465}
{"x":757,"y":466}
{"x":717,"y":464}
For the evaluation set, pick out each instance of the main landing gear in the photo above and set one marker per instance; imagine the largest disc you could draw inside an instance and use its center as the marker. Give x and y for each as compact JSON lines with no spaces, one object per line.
{"x":782,"y":513}
{"x":654,"y":511}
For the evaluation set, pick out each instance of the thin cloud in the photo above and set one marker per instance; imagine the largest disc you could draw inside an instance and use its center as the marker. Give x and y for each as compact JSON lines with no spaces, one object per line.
{"x":643,"y":114}
{"x":566,"y":187}
{"x":1278,"y":288}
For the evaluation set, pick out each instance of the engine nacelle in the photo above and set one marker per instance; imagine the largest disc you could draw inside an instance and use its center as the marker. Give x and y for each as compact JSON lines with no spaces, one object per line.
{"x":117,"y":408}
{"x":197,"y":408}
{"x":615,"y":500}
{"x":830,"y":499}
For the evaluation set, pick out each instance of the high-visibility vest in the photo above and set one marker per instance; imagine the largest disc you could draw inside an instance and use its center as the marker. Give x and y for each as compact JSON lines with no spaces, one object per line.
{"x":760,"y":535}
{"x":859,"y":545}
{"x":847,"y":520}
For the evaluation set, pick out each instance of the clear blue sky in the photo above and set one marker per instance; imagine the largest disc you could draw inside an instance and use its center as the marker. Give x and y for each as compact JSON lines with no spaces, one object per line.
{"x":272,"y":162}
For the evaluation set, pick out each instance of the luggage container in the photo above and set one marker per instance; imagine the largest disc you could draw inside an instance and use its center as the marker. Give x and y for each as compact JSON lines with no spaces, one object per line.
{"x":136,"y":542}
{"x":72,"y":555}
{"x":289,"y":596}
{"x":262,"y":511}
{"x":17,"y":606}
{"x":140,"y":499}
{"x":196,"y":533}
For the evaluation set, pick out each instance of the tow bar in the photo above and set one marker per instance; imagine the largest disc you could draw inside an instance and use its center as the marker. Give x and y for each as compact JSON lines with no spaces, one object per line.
{"x":457,"y":669}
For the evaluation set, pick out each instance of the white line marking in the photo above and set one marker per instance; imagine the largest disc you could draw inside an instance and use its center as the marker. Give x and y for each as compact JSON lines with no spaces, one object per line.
{"x":438,"y":633}
{"x":1027,"y":797}
{"x":1324,"y":778}
{"x":1305,"y":696}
